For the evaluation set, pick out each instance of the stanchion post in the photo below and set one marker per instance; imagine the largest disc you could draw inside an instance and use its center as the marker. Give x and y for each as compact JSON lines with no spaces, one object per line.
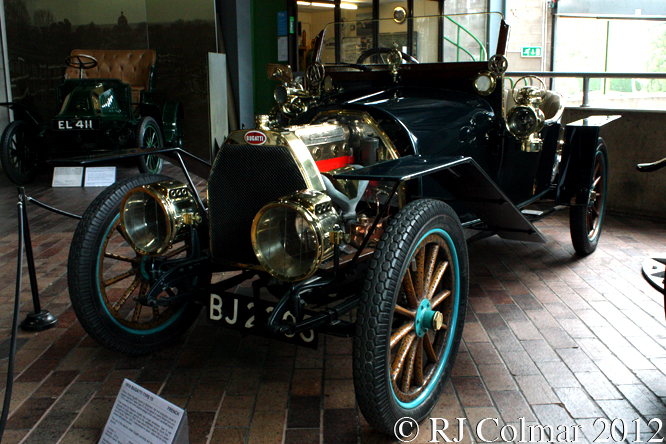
{"x":39,"y":319}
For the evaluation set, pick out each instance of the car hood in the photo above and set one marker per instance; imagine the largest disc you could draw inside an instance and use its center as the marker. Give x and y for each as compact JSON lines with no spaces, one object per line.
{"x":437,"y":122}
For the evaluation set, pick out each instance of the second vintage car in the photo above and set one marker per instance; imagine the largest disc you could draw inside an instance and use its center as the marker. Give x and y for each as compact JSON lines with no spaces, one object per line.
{"x":104,"y":105}
{"x":349,"y":209}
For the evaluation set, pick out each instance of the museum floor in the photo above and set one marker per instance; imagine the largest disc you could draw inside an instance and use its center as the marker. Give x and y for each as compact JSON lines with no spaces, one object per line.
{"x":549,"y":337}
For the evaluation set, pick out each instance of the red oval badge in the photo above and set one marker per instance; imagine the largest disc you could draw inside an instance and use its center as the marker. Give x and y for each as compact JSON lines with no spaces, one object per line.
{"x":255,"y":137}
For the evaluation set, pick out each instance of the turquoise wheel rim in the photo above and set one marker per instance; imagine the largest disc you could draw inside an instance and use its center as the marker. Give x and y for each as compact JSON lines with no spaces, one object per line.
{"x":124,"y":280}
{"x":407,"y":343}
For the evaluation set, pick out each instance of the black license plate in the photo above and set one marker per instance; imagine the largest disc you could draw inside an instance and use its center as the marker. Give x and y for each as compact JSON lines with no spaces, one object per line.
{"x":240,"y":313}
{"x":75,"y":124}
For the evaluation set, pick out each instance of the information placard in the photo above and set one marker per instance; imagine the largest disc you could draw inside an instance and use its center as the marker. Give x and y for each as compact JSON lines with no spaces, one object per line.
{"x":100,"y":176}
{"x":67,"y":176}
{"x":141,"y":417}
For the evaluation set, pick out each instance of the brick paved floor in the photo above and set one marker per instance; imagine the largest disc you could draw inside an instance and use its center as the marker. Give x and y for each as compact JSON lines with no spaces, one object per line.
{"x":549,"y":337}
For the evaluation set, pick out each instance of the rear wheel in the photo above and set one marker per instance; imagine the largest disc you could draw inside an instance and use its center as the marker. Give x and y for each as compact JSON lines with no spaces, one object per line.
{"x":107,"y":278}
{"x":586,"y":222}
{"x":18,"y":153}
{"x":149,"y":135}
{"x":411,"y":316}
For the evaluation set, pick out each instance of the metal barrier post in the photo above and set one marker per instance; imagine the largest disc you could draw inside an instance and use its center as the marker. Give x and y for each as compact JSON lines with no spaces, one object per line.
{"x":39,"y":319}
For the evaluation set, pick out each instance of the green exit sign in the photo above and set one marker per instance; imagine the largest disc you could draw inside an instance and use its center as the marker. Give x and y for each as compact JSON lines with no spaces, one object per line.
{"x":531,"y":51}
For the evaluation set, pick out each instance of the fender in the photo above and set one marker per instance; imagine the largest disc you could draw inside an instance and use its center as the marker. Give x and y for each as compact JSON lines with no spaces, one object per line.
{"x":152,"y":110}
{"x":22,"y":112}
{"x":467,"y":183}
{"x":172,"y":116}
{"x":580,"y":147}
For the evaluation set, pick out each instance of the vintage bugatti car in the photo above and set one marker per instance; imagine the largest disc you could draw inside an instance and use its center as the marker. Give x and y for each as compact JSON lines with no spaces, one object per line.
{"x":350,"y":208}
{"x":104,"y":104}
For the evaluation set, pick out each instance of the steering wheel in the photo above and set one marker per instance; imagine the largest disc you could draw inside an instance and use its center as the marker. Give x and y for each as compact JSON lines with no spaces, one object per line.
{"x":375,"y":51}
{"x":541,"y":86}
{"x":75,"y":62}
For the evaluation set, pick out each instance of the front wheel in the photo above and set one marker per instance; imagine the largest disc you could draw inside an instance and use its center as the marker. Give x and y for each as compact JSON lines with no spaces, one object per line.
{"x":107,"y":279}
{"x":18,"y":153}
{"x":149,"y":135}
{"x":411,"y":315}
{"x":585,"y":223}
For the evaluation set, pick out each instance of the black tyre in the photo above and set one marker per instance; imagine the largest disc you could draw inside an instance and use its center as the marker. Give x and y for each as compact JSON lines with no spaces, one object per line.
{"x":149,"y":135}
{"x":411,"y":316}
{"x":18,"y":153}
{"x":106,"y":277}
{"x":586,"y":223}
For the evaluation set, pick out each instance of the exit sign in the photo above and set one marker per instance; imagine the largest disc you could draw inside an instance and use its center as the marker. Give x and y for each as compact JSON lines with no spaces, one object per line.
{"x":531,"y":51}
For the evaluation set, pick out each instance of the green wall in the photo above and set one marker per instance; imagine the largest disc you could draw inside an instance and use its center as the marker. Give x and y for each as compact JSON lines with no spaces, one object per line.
{"x":264,"y":50}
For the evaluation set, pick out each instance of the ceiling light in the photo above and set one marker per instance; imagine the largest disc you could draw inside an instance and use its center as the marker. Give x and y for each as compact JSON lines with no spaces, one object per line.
{"x":327,"y":5}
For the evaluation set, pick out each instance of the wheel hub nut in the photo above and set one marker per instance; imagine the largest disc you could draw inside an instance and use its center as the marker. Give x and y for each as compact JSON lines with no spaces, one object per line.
{"x":427,"y":319}
{"x":437,"y":321}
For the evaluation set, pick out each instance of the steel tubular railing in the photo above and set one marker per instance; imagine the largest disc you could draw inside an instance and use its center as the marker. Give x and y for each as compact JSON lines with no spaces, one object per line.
{"x":586,"y":76}
{"x":482,"y":50}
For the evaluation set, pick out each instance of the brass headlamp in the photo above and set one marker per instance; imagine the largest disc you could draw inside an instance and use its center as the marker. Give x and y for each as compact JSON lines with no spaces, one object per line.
{"x":291,"y":237}
{"x":526,"y":119}
{"x":155,"y":216}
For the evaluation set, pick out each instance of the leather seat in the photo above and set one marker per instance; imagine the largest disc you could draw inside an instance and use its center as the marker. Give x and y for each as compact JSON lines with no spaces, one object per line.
{"x":134,"y":67}
{"x":552,"y":105}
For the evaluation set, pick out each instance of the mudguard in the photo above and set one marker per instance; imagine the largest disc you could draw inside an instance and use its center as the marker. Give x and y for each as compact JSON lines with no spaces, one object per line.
{"x":580,"y":146}
{"x":467,"y":183}
{"x":172,"y":116}
{"x":24,"y":113}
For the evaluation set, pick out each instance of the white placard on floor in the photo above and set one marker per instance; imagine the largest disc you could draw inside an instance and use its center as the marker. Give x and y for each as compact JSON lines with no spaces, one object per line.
{"x":67,"y":176}
{"x":100,"y":176}
{"x":139,"y":416}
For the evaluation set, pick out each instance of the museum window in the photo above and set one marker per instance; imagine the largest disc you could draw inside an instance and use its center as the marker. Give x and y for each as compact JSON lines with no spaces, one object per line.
{"x":612,"y":45}
{"x":357,"y":32}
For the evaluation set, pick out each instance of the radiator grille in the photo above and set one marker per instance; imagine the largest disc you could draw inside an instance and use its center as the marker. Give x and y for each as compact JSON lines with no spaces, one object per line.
{"x":244,"y":178}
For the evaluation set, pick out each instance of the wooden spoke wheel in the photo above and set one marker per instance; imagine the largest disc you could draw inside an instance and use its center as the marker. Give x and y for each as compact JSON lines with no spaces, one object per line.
{"x":411,"y":315}
{"x":149,"y":135}
{"x":18,"y":152}
{"x":586,"y":222}
{"x":123,"y":280}
{"x":107,"y":280}
{"x":421,"y":318}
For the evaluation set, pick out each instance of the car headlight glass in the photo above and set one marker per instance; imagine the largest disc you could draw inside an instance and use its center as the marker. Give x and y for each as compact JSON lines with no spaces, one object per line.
{"x":522,"y":121}
{"x":145,"y":221}
{"x":153,"y":216}
{"x":286,"y":241}
{"x":289,"y":237}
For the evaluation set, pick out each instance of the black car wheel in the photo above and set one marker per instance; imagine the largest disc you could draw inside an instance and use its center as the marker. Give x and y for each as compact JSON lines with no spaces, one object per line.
{"x":411,"y":316}
{"x":106,"y":278}
{"x":586,"y":222}
{"x":149,"y":135}
{"x":17,"y":152}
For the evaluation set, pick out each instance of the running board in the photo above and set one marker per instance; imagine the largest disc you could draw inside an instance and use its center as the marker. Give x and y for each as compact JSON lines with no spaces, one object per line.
{"x":535,"y":215}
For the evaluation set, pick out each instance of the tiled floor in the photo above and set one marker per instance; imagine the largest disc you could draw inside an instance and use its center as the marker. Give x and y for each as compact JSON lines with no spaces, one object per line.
{"x":550,"y":337}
